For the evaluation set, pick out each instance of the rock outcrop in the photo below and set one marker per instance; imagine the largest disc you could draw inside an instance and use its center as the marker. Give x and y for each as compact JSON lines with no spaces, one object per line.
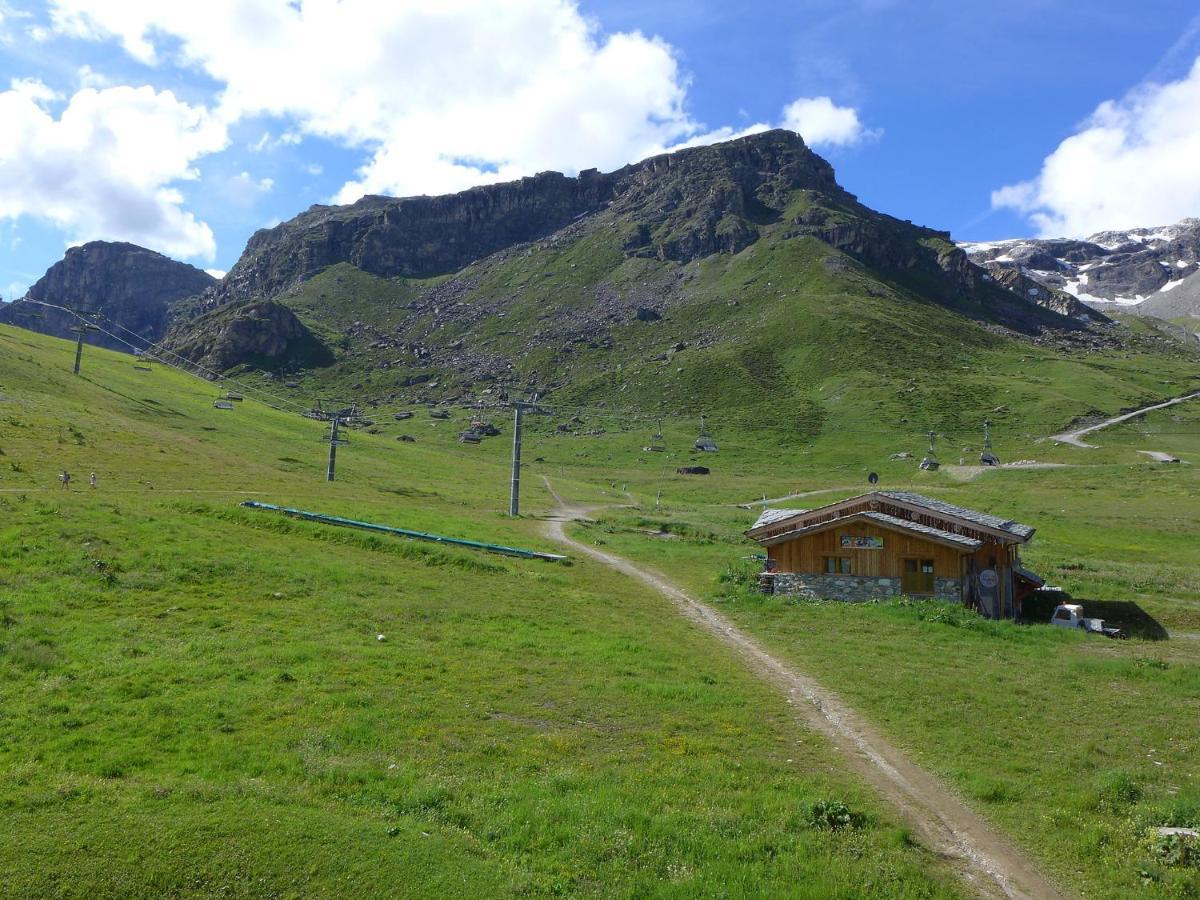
{"x":133,"y":288}
{"x":1061,"y":302}
{"x":261,"y":333}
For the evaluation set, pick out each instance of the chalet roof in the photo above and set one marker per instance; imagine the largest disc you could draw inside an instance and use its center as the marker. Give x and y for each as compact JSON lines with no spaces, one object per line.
{"x":893,"y":522}
{"x":775,"y":515}
{"x":774,"y":524}
{"x":960,"y":512}
{"x":966,"y":542}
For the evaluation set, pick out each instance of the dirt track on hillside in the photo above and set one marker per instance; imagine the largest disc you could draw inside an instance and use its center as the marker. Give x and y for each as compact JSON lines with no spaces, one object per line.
{"x":984,"y":859}
{"x":1075,"y":437}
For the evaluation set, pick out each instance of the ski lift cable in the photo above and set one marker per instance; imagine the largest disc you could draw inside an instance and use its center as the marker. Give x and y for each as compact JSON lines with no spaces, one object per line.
{"x":160,"y":348}
{"x":122,"y":340}
{"x":150,"y":344}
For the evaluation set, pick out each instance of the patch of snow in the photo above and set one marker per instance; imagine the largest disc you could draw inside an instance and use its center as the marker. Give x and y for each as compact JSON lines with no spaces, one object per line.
{"x":1072,"y":288}
{"x":1170,"y":286}
{"x":1164,"y":234}
{"x":984,"y":246}
{"x":1182,"y":264}
{"x":1002,"y":259}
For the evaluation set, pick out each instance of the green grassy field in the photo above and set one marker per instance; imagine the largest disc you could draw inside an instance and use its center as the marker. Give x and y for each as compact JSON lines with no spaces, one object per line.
{"x":1075,"y":746}
{"x":194,"y":699}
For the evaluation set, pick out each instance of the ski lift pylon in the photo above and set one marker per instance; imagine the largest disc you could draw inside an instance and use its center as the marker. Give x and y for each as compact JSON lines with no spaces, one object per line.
{"x":987,"y":457}
{"x":930,"y":462}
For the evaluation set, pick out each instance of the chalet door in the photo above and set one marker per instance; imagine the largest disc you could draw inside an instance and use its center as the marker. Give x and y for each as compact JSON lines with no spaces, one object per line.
{"x":917,"y":577}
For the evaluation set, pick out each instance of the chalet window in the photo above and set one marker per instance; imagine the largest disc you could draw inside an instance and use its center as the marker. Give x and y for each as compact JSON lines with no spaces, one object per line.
{"x":917,"y":577}
{"x":837,"y":565}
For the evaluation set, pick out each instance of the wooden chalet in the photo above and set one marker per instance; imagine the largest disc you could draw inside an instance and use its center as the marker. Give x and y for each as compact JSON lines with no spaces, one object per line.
{"x":889,"y":543}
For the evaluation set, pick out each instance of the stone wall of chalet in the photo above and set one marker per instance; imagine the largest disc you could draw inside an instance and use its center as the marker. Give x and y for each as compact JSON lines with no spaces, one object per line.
{"x":856,"y":588}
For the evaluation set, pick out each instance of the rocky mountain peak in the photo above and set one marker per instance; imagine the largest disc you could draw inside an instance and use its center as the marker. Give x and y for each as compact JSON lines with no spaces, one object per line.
{"x":683,"y":205}
{"x":127,"y":283}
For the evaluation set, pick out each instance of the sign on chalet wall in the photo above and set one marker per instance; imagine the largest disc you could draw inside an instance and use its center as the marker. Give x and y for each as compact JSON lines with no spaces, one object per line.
{"x":854,"y":542}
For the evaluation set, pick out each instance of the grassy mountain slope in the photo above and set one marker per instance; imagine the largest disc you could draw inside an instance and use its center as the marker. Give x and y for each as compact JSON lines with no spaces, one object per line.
{"x":788,"y":333}
{"x":195,"y":701}
{"x":737,"y":279}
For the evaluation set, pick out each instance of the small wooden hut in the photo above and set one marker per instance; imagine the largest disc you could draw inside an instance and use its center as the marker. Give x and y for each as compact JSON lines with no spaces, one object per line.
{"x":892,"y":543}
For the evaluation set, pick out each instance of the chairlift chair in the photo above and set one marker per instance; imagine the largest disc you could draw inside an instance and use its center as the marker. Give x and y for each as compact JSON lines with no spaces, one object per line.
{"x":705,"y":443}
{"x":657,"y":444}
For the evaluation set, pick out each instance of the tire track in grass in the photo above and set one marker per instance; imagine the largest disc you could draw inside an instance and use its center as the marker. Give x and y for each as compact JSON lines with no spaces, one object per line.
{"x":984,"y":859}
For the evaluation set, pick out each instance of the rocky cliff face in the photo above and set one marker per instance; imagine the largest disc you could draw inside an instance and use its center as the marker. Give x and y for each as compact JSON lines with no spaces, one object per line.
{"x":1141,"y":270}
{"x":130,"y":285}
{"x":677,"y":206}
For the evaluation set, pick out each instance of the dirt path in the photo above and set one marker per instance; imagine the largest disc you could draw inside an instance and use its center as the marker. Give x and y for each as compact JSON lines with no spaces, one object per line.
{"x":1075,"y":437}
{"x":767,"y":502}
{"x":966,"y":473}
{"x":985,"y":860}
{"x":1159,"y":456}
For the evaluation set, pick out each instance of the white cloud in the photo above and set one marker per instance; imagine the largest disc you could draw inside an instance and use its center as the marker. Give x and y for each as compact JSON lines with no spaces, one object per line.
{"x":216,"y":273}
{"x":1133,"y":162}
{"x":268,"y":143}
{"x":440,"y":96}
{"x":821,"y":122}
{"x":106,"y":166}
{"x":89,"y":77}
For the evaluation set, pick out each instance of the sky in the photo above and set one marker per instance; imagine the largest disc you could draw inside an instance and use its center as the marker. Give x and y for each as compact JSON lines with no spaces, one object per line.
{"x":185,"y":127}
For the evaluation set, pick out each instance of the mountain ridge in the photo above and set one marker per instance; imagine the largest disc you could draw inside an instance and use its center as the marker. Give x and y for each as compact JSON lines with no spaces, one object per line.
{"x":427,"y":236}
{"x":1150,"y":271}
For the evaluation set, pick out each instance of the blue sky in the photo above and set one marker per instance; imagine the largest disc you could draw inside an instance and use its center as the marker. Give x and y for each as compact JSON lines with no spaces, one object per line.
{"x":186,"y":130}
